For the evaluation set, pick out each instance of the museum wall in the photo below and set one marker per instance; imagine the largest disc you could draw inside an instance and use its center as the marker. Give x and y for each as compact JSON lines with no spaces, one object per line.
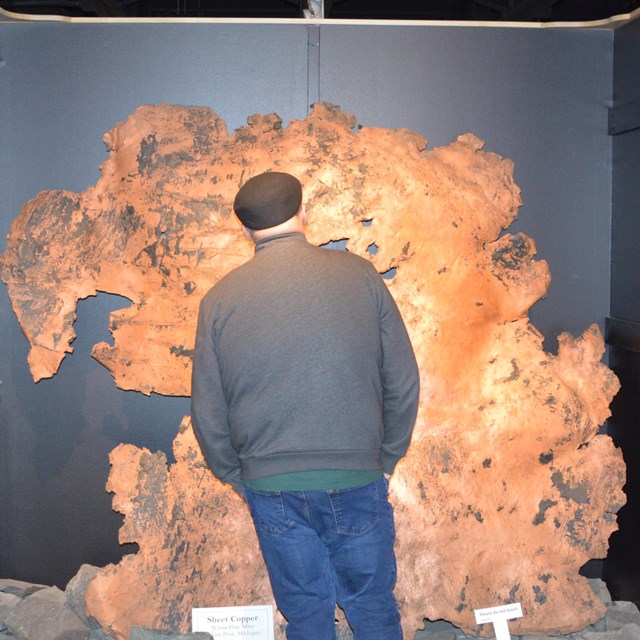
{"x":539,"y":97}
{"x":625,"y":278}
{"x":622,"y":569}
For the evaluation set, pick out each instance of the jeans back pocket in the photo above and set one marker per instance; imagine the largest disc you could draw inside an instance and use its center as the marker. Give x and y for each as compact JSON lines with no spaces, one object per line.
{"x":356,"y":510}
{"x":267,"y":510}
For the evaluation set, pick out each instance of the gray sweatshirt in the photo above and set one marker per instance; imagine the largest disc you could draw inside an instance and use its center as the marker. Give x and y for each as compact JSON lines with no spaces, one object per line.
{"x":302,"y":362}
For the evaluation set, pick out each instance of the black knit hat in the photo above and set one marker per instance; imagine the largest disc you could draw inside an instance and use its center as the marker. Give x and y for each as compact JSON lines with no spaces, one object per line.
{"x":267,"y":200}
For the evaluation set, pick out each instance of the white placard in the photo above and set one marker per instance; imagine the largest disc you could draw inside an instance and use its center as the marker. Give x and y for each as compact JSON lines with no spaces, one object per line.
{"x":234,"y":623}
{"x":499,"y":616}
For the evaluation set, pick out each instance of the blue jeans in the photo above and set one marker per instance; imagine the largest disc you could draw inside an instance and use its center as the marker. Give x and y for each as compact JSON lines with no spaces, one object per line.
{"x":328,"y":547}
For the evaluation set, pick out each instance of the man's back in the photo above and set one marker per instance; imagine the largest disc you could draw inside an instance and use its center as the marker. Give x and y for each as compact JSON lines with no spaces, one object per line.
{"x":297,"y":335}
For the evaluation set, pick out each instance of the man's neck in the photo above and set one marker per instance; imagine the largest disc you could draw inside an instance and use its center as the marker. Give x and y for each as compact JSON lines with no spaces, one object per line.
{"x":293,"y":225}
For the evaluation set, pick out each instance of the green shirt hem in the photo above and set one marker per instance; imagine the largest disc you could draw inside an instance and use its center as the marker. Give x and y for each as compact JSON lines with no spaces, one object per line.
{"x":314,"y":480}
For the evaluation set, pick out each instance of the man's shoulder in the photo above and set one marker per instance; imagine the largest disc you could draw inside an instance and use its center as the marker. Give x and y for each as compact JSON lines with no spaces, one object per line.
{"x":228,"y":282}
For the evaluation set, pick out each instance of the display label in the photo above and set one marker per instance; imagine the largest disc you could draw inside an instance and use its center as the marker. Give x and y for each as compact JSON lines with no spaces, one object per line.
{"x":234,"y":623}
{"x":499,"y":616}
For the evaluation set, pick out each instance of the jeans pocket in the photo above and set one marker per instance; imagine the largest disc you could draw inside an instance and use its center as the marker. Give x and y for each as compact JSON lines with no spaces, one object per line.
{"x":356,"y":510}
{"x":267,"y":511}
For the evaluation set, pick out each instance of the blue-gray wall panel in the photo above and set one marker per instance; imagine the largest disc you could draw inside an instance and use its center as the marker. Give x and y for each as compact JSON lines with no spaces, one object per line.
{"x":61,"y":88}
{"x":535,"y":96}
{"x":625,"y":245}
{"x":539,"y":97}
{"x":69,"y":84}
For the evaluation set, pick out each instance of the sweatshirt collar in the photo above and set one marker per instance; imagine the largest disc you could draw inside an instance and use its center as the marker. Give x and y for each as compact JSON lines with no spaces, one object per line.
{"x":294,"y":235}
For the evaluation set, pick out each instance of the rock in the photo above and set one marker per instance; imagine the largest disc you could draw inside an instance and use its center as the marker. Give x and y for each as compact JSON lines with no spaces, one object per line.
{"x":438,"y":630}
{"x":599,"y":626}
{"x":600,"y":589}
{"x":620,"y":614}
{"x":140,"y":633}
{"x":626,"y":632}
{"x":438,"y":635}
{"x":76,"y":592}
{"x":77,"y":634}
{"x":8,"y":601}
{"x":43,"y":615}
{"x":19,"y":588}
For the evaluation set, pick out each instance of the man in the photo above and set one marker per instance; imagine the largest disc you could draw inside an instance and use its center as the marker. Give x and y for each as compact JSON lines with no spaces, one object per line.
{"x":304,"y":395}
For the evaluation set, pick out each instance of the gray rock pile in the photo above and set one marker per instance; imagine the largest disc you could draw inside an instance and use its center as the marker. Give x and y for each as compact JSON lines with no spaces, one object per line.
{"x":622,"y":622}
{"x":38,"y":612}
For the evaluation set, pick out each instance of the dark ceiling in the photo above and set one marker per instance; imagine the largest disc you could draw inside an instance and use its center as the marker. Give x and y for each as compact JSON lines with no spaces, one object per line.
{"x":483,"y":10}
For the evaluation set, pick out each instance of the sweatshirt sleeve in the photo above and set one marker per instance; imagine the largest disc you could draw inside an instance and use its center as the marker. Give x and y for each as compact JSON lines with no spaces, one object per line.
{"x":400,"y":383}
{"x":209,"y":407}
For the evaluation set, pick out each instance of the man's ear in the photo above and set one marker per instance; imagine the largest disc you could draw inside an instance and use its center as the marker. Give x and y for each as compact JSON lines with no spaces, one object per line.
{"x":303,"y":215}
